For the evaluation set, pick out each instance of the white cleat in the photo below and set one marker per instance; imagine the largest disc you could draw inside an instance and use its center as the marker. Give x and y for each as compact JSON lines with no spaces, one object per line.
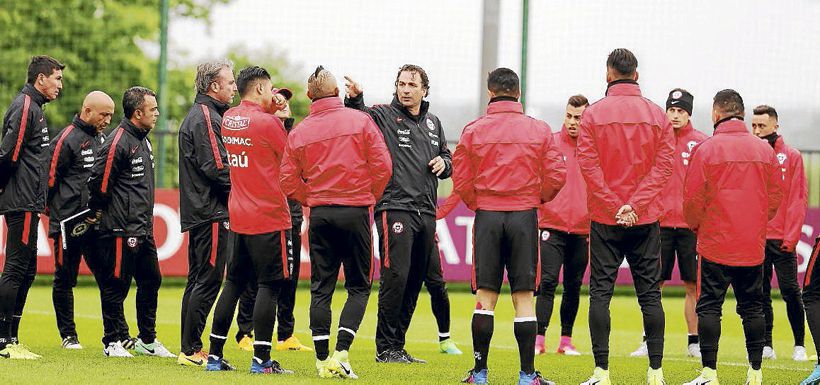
{"x":71,"y":342}
{"x":642,"y":351}
{"x":115,"y":349}
{"x":799,"y":354}
{"x":693,"y":350}
{"x":768,"y":353}
{"x":156,"y":349}
{"x":707,"y":377}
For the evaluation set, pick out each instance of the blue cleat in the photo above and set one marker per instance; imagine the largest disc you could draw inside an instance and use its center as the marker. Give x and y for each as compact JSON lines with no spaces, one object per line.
{"x":533,"y":379}
{"x":218,"y":364}
{"x":476,"y":377}
{"x":813,"y":378}
{"x":267,"y":367}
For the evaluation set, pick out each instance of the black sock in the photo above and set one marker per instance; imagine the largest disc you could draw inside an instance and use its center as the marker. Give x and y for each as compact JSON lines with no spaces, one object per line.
{"x":15,"y":327}
{"x":693,"y":339}
{"x":264,"y":317}
{"x":525,"y":329}
{"x":261,"y":351}
{"x":321,"y":347}
{"x":217,"y":344}
{"x":443,"y":336}
{"x":344,"y":339}
{"x":5,"y":333}
{"x":482,"y":334}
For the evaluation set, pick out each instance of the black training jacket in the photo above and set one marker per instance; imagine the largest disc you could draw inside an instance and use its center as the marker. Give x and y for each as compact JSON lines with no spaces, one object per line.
{"x":204,"y":176}
{"x":413,"y":141}
{"x":296,"y":213}
{"x":73,"y":151}
{"x":122,"y":182}
{"x":24,"y":154}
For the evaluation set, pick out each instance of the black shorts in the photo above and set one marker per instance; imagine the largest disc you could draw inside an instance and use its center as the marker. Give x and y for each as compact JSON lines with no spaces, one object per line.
{"x":261,"y":258}
{"x":506,"y":240}
{"x":680,"y":242}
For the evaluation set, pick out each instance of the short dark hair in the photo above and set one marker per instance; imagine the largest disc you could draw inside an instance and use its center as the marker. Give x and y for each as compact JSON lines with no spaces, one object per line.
{"x":42,"y":64}
{"x":425,"y":81}
{"x":503,"y":81}
{"x":134,"y":98}
{"x":729,"y":103}
{"x":578,"y":101}
{"x":623,"y":61}
{"x":766,"y":110}
{"x":248,"y":77}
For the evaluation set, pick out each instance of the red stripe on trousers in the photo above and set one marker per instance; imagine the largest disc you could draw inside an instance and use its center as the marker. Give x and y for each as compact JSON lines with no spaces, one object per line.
{"x":473,"y":282}
{"x":538,"y":257}
{"x":26,"y":227}
{"x":117,"y":256}
{"x":813,"y":259}
{"x":58,"y":251}
{"x":697,"y":292}
{"x":214,"y":242}
{"x":284,"y":246}
{"x":369,"y":234}
{"x":384,"y":241}
{"x":22,"y":131}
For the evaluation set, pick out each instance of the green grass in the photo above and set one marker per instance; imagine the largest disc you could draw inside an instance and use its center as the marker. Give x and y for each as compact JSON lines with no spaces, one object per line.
{"x":89,"y":366}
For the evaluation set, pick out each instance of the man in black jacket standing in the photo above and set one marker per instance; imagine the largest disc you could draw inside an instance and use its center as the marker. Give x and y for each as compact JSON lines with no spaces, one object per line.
{"x":203,"y":201}
{"x":23,"y":178}
{"x":72,"y":156}
{"x":406,"y":213}
{"x":122,"y":203}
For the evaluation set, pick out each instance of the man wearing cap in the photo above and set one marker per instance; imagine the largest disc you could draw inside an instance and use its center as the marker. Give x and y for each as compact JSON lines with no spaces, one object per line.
{"x":677,"y":240}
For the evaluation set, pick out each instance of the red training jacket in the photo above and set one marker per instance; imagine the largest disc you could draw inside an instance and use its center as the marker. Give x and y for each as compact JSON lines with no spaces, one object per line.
{"x":732,"y":189}
{"x":672,"y":196}
{"x":568,"y":211}
{"x":625,"y":151}
{"x":788,"y":222}
{"x":255,"y":141}
{"x":506,"y":161}
{"x":336,"y":156}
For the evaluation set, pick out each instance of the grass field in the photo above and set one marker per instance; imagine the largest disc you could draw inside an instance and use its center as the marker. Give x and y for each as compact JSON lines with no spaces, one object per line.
{"x":89,"y":366}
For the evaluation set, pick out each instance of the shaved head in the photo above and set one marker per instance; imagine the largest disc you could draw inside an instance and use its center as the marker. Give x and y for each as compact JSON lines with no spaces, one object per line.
{"x":322,"y":84}
{"x":98,"y":109}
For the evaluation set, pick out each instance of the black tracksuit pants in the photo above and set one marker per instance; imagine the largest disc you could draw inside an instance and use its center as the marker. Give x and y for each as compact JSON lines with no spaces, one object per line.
{"x":642,"y":248}
{"x":570,"y":251}
{"x":116,"y":261}
{"x":18,"y":271}
{"x":436,"y":287}
{"x":811,"y":294}
{"x":785,"y":264}
{"x":339,"y":236}
{"x":209,"y":248}
{"x":405,"y":240}
{"x":713,"y":283}
{"x":66,"y":268}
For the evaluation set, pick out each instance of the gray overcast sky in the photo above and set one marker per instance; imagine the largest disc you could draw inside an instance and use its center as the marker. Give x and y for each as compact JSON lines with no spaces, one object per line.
{"x":769,"y":51}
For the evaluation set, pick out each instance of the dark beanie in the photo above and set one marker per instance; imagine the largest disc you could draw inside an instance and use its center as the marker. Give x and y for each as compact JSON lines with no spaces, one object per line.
{"x":681,"y":99}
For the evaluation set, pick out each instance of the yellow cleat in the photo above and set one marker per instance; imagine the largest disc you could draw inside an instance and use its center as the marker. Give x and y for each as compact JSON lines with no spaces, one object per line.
{"x":15,"y":352}
{"x":322,"y":368}
{"x":754,"y":377}
{"x":291,"y":343}
{"x":246,"y":343}
{"x":655,"y":377}
{"x":27,"y":352}
{"x":196,"y":359}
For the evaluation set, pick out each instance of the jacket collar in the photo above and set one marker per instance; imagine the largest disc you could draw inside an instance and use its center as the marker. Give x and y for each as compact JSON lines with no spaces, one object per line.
{"x":730,"y":125}
{"x":212,"y":103}
{"x":685,"y":130}
{"x":566,"y":138}
{"x":623,"y":87}
{"x":35,"y":95}
{"x":133,"y":130}
{"x":505,"y":106}
{"x":325,"y":104}
{"x":82,"y":125}
{"x":251,"y":105}
{"x":425,"y":105}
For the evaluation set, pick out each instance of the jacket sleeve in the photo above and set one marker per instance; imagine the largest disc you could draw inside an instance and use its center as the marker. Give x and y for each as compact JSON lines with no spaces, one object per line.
{"x":107,"y":167}
{"x":210,"y":155}
{"x":654,"y":182}
{"x":553,"y":169}
{"x":444,"y":153}
{"x":60,"y":161}
{"x":16,"y":131}
{"x":278,"y":137}
{"x":358,"y":104}
{"x":694,"y":191}
{"x":379,"y":163}
{"x":590,"y":164}
{"x":798,"y":202}
{"x":448,"y":206}
{"x":463,"y":173}
{"x":290,"y":174}
{"x":774,"y":186}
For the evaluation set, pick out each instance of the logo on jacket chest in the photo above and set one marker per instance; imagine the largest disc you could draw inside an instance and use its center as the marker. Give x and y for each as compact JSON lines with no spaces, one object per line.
{"x":686,"y":154}
{"x":236,"y":122}
{"x":46,"y":139}
{"x":430,"y":125}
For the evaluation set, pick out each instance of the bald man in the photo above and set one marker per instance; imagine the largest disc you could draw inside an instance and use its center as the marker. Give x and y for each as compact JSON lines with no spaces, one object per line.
{"x":72,"y":155}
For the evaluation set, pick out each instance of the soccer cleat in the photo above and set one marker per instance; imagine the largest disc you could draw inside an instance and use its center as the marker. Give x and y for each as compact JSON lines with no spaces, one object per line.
{"x":268,"y":367}
{"x":540,"y":345}
{"x":768,"y":353}
{"x":115,"y":349}
{"x":533,"y":379}
{"x":291,"y":343}
{"x":641,"y":351}
{"x":813,"y":378}
{"x":391,"y":356}
{"x":476,"y":377}
{"x":129,"y":343}
{"x":411,"y":358}
{"x":321,"y":368}
{"x":218,"y":364}
{"x":339,"y":365}
{"x":156,"y":349}
{"x":196,"y":359}
{"x":707,"y":376}
{"x":13,"y":351}
{"x":693,"y":350}
{"x":655,"y":377}
{"x":599,"y":377}
{"x":246,"y":343}
{"x":799,"y":354}
{"x":71,"y":342}
{"x":448,"y":347}
{"x":23,"y":349}
{"x":754,"y":377}
{"x":566,"y":347}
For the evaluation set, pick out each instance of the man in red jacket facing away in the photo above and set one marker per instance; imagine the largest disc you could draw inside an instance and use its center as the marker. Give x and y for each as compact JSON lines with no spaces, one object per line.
{"x":625,"y":151}
{"x":782,"y":234}
{"x":505,"y":166}
{"x":564,"y":226}
{"x":337,"y":164}
{"x":677,"y":240}
{"x":732,"y":190}
{"x":259,"y":215}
